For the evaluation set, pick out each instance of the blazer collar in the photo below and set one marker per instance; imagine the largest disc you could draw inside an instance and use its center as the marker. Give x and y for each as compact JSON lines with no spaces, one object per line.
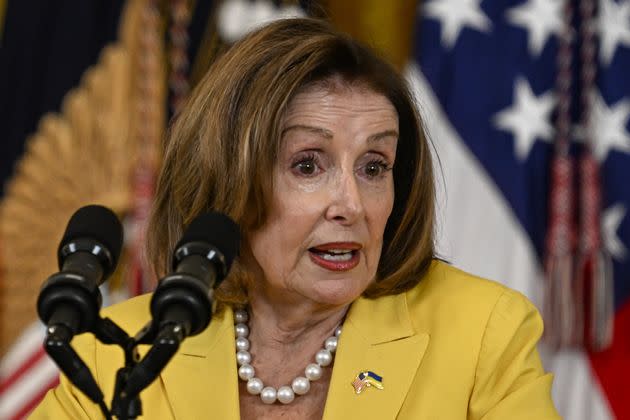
{"x":381,"y":320}
{"x":378,"y":336}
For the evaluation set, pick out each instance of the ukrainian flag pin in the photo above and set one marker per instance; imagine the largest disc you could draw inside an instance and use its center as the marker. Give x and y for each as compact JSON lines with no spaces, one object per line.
{"x":367,"y":379}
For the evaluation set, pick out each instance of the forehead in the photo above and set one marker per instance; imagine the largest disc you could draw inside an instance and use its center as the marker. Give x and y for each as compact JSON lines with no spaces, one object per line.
{"x":336,"y":98}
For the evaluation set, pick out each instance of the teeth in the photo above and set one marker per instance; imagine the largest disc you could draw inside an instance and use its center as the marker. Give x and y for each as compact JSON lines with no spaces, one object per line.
{"x":329,"y":256}
{"x":337,"y":251}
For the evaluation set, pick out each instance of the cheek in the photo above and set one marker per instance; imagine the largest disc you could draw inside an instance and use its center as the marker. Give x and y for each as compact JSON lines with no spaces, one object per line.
{"x":378,"y":210}
{"x":298,"y":205}
{"x":279,"y":243}
{"x":271,"y":253}
{"x":379,"y":207}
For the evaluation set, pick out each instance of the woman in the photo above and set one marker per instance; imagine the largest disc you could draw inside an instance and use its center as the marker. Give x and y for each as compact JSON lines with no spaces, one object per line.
{"x":313,"y":145}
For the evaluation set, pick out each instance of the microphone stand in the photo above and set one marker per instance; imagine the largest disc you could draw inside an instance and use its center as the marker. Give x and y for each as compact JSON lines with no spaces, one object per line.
{"x":132,"y":378}
{"x":107,"y":332}
{"x":164,"y":337}
{"x":139,"y":374}
{"x":57,"y":345}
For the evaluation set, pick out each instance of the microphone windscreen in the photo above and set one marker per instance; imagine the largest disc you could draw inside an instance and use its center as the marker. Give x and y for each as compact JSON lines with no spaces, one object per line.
{"x":98,"y":223}
{"x":215,"y":229}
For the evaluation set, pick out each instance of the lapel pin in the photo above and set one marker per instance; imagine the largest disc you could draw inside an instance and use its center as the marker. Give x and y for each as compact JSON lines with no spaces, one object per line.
{"x":367,"y":379}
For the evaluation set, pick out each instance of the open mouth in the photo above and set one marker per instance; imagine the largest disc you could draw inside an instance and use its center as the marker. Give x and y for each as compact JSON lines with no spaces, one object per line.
{"x":336,"y":256}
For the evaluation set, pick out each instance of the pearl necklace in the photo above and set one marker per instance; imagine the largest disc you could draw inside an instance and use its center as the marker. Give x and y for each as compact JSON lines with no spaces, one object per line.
{"x":285,"y":394}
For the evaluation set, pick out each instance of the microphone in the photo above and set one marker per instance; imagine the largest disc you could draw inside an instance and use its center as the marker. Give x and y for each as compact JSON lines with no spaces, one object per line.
{"x":87,"y":255}
{"x":181,"y":305}
{"x":69,"y":301}
{"x":201,"y":260}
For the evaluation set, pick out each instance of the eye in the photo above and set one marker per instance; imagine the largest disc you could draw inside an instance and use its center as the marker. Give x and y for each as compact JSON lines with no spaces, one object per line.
{"x":306,"y":165}
{"x":376,"y":168}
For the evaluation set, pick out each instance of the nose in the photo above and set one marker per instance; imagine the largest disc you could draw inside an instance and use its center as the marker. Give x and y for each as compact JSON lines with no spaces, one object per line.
{"x":346,"y":202}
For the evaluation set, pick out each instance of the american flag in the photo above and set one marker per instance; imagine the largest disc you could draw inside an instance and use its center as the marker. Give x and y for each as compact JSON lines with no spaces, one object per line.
{"x":365,"y":380}
{"x":485,"y":74}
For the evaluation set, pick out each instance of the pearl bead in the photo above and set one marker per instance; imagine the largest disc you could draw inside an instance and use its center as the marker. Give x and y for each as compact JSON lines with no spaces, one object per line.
{"x":240,"y":316}
{"x":331,"y":344}
{"x":285,"y":394}
{"x":242,"y":343}
{"x":243,"y":357}
{"x":254,"y":386}
{"x":246,"y":372}
{"x":323,"y":357}
{"x":313,"y":372}
{"x":241,"y":330}
{"x":268,"y":395}
{"x":300,"y":385}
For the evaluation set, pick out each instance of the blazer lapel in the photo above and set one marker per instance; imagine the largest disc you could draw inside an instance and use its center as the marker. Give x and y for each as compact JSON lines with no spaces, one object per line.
{"x":202,"y":378}
{"x":377,"y":336}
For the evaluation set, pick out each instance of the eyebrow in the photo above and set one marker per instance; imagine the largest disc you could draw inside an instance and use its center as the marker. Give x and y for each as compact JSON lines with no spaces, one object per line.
{"x":327,"y":134}
{"x":382,"y":135}
{"x":315,"y":130}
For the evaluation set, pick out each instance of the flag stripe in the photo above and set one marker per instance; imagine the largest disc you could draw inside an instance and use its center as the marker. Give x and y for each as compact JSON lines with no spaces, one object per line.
{"x":37,"y":396}
{"x":34,"y":358}
{"x":27,"y":388}
{"x":22,"y":349}
{"x":457,"y":237}
{"x":613,"y":365}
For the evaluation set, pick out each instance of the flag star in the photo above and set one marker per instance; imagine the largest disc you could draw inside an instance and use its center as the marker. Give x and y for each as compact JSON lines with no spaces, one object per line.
{"x":528,"y":118}
{"x":541,"y":18}
{"x":454,"y":15}
{"x":238,"y":17}
{"x":614,"y":28}
{"x":611,"y":219}
{"x":608,"y":126}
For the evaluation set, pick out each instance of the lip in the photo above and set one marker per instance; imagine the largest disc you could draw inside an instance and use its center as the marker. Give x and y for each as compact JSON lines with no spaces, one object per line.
{"x":352,"y":246}
{"x":336,"y":265}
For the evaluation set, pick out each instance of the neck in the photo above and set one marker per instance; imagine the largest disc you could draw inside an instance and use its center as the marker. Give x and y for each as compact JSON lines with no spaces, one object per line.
{"x":292,"y":324}
{"x":285,"y":336}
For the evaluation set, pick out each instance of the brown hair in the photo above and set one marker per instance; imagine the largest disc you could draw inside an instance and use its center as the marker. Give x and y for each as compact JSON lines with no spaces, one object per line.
{"x":221,"y":149}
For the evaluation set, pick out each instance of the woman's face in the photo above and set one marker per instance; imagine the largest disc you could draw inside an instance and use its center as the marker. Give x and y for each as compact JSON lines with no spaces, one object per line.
{"x":333,"y":192}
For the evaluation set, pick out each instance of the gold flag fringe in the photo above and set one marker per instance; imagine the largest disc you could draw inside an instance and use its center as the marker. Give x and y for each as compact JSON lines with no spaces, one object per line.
{"x":84,"y":154}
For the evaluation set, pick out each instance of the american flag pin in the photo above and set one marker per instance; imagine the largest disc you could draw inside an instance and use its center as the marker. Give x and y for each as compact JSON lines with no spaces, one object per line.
{"x":366,"y":379}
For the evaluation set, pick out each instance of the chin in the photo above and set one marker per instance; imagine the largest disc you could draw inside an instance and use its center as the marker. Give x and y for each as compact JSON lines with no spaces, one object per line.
{"x":337,"y":292}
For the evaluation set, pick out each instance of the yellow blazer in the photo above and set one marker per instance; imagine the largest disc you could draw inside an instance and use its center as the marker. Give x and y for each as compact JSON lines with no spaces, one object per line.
{"x":454,"y":347}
